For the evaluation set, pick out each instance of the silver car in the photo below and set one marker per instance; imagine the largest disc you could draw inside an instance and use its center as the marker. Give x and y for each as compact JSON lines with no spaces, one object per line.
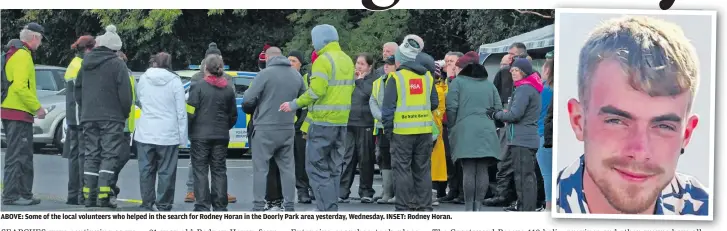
{"x":50,"y":130}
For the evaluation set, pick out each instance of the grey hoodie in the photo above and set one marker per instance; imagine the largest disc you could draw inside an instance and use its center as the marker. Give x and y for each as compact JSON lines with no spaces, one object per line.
{"x":274,"y":85}
{"x":163,"y":114}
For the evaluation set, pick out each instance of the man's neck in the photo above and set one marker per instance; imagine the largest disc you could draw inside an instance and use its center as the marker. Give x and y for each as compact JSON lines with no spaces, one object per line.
{"x":597,"y":202}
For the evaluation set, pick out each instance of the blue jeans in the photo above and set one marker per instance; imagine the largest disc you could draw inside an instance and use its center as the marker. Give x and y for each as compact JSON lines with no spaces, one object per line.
{"x":545,"y":161}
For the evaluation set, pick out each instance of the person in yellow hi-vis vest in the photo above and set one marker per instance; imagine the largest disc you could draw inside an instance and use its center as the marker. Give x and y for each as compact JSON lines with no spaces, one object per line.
{"x":73,"y":147}
{"x":383,"y":147}
{"x":328,"y":99}
{"x":409,"y":99}
{"x":125,"y":153}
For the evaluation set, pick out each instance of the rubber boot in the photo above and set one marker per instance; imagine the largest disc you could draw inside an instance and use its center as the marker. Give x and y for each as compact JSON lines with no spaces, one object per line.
{"x":388,"y":187}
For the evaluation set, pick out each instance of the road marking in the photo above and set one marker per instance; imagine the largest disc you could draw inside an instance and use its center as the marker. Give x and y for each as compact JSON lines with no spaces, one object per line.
{"x":130,"y":201}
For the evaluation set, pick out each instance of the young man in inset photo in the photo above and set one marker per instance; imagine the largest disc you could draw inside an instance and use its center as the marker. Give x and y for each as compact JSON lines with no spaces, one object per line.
{"x":637,"y":80}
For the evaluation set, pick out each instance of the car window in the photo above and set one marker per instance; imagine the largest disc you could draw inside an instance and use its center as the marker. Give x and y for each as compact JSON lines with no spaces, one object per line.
{"x":60,"y":81}
{"x":241,"y":85}
{"x":44,"y":80}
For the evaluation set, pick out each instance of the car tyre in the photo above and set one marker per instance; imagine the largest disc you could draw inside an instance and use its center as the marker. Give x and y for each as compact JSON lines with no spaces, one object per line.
{"x":58,"y":136}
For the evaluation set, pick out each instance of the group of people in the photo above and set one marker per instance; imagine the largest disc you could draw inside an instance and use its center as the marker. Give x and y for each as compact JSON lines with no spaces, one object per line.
{"x":438,"y":130}
{"x":429,"y":125}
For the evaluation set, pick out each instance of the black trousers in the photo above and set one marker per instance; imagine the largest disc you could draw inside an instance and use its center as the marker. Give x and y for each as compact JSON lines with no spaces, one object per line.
{"x":124,"y":157}
{"x":18,"y":172}
{"x":208,"y":157}
{"x":103,"y":143}
{"x":73,"y":151}
{"x":359,"y":153}
{"x":301,"y":177}
{"x":454,"y":169}
{"x":384,"y":160}
{"x":526,"y":182}
{"x":505,"y":187}
{"x":411,"y":159}
{"x":274,"y":191}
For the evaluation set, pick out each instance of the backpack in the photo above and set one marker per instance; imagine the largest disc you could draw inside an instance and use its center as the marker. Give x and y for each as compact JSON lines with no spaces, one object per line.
{"x":5,"y":82}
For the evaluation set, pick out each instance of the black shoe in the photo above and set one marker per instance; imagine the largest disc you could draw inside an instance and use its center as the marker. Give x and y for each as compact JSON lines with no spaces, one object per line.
{"x":90,"y":203}
{"x":511,"y":208}
{"x":344,"y":201}
{"x":144,"y":208}
{"x":367,"y":200}
{"x":495,"y":202}
{"x":23,"y":201}
{"x":458,"y":200}
{"x":304,"y":198}
{"x":448,"y":198}
{"x":107,"y":203}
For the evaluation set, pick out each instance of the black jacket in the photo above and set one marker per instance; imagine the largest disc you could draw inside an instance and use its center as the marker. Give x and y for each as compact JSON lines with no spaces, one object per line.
{"x":215,"y":110}
{"x":503,"y":83}
{"x":103,"y":87}
{"x":301,"y":113}
{"x":391,"y":97}
{"x":360,"y":115}
{"x":548,"y":136}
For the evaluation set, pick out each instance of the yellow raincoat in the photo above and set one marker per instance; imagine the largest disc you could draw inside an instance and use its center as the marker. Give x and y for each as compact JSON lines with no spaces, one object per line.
{"x":439,"y":159}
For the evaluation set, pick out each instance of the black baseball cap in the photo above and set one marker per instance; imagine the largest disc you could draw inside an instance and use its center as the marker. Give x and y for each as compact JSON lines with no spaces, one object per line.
{"x":390,"y":60}
{"x":35,"y":27}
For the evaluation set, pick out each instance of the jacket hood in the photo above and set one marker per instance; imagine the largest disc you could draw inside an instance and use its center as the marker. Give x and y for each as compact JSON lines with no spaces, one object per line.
{"x":13,"y":43}
{"x":322,"y":35}
{"x":475,"y":71}
{"x":98,"y":56}
{"x":219,"y":82}
{"x":415,"y":67}
{"x":533,"y":80}
{"x":278,"y":61}
{"x":159,"y":76}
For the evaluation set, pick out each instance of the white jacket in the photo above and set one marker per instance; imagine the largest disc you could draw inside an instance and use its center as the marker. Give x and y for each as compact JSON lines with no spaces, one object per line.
{"x":163,"y":109}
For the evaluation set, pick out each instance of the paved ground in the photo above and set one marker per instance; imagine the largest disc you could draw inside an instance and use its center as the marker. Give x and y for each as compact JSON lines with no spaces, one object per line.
{"x":51,"y":178}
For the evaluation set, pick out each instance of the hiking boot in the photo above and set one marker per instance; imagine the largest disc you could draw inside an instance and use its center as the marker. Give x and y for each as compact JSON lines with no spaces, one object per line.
{"x":495,"y":202}
{"x":448,"y":198}
{"x":458,"y":200}
{"x":230,"y":198}
{"x":304,"y":198}
{"x":90,"y":202}
{"x":189,"y":198}
{"x":23,"y":201}
{"x":107,"y":203}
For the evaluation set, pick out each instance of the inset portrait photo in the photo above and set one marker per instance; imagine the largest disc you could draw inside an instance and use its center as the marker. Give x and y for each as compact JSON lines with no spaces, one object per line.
{"x":635,"y":114}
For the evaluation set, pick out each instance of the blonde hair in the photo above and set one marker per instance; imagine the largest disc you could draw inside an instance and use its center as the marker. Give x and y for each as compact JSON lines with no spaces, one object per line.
{"x":656,"y":56}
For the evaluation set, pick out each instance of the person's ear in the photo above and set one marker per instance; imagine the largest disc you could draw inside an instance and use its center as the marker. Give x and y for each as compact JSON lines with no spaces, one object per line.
{"x":575,"y":116}
{"x":692,"y":122}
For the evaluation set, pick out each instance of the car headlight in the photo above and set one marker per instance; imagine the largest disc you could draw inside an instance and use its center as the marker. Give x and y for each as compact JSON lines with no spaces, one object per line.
{"x":47,"y":110}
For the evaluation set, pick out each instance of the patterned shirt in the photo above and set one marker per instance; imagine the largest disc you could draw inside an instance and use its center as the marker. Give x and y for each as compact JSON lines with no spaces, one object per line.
{"x":685,"y":195}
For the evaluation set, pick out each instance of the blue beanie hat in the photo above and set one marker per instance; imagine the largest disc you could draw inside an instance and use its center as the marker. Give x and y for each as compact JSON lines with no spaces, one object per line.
{"x":322,"y":35}
{"x":524,"y":65}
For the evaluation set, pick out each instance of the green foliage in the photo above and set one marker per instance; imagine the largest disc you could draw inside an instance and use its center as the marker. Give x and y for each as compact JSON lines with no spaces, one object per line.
{"x":240,"y":34}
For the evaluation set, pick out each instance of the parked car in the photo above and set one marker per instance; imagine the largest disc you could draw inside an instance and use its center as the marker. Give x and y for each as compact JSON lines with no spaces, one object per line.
{"x":241,"y":80}
{"x":49,"y":131}
{"x":49,"y":80}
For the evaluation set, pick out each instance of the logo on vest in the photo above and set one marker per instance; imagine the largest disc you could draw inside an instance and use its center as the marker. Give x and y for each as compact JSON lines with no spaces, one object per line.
{"x":415,"y":87}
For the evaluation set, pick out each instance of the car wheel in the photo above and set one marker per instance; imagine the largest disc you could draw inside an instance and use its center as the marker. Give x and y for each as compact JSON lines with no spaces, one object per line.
{"x":58,"y":137}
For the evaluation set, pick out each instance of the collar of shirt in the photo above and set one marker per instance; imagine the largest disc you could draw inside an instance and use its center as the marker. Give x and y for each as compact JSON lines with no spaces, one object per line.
{"x":683,"y":196}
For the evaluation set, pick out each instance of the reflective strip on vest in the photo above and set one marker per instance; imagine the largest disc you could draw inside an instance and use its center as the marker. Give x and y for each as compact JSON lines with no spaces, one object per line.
{"x":378,"y":94}
{"x":332,"y":82}
{"x":413,"y":114}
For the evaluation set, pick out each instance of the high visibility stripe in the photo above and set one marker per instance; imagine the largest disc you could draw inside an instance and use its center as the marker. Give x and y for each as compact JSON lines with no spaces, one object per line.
{"x":190,"y":109}
{"x":103,"y":195}
{"x":411,"y":124}
{"x":341,"y":82}
{"x":422,"y":121}
{"x":86,"y":189}
{"x":90,"y":173}
{"x":333,"y":65}
{"x":106,"y":171}
{"x":104,"y":189}
{"x":330,"y":107}
{"x":312,"y":94}
{"x":319,"y":75}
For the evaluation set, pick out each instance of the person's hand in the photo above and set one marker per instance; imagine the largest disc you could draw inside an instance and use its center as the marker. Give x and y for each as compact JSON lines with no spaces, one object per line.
{"x":40,"y":113}
{"x":491,"y":113}
{"x":285,"y":107}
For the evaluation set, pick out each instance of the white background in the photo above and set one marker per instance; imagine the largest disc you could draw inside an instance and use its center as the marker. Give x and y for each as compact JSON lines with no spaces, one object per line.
{"x":475,"y":221}
{"x":573,"y":34}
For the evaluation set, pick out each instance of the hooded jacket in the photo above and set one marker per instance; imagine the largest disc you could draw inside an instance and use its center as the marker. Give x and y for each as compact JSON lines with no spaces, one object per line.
{"x":276,"y":84}
{"x":163,"y":118}
{"x":103,"y":87}
{"x":523,"y":112}
{"x":22,"y":101}
{"x":211,"y":109}
{"x":472,"y":134}
{"x":199,"y":77}
{"x":391,"y":97}
{"x":72,"y":112}
{"x":360,"y":115}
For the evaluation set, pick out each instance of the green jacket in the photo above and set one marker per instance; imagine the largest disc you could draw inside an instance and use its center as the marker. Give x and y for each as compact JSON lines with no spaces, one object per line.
{"x":328,"y":97}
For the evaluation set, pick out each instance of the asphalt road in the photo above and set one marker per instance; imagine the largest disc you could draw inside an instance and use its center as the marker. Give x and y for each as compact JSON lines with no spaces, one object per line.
{"x":51,"y":178}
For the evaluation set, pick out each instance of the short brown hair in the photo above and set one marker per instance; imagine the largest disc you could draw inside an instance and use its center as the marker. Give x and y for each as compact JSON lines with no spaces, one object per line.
{"x":162,"y":60}
{"x":83,"y":43}
{"x":655,"y":54}
{"x":122,"y":56}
